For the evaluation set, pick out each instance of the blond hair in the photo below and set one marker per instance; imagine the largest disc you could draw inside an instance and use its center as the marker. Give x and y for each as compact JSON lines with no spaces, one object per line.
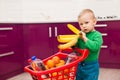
{"x":86,"y":11}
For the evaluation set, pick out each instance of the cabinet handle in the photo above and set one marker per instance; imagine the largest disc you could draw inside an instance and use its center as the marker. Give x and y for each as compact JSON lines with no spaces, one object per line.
{"x":7,"y":28}
{"x":104,"y":46}
{"x":7,"y":54}
{"x":56,"y":32}
{"x":104,"y":34}
{"x":50,"y":32}
{"x":101,"y":25}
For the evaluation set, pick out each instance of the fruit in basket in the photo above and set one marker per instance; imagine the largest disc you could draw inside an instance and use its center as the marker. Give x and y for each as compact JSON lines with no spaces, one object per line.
{"x":47,"y":79}
{"x":66,"y":71}
{"x":61,"y":63}
{"x":54,"y":62}
{"x":54,"y":74}
{"x":50,"y":63}
{"x":46,"y":67}
{"x":56,"y":59}
{"x":60,"y":78}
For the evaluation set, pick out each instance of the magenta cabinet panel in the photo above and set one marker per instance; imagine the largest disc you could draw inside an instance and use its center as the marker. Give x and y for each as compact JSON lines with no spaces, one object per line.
{"x":12,"y":61}
{"x":6,"y":33}
{"x":38,"y":41}
{"x":11,"y":50}
{"x":110,"y":57}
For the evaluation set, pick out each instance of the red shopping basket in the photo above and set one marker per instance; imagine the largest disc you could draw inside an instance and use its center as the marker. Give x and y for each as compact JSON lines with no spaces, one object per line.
{"x":65,"y":72}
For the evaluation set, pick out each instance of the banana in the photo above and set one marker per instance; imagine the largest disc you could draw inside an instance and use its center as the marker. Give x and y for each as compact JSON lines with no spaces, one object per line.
{"x":68,"y":40}
{"x":65,"y":38}
{"x":69,"y":44}
{"x":73,"y":28}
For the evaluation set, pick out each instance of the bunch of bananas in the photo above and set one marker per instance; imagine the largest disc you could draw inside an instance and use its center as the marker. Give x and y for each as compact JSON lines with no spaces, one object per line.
{"x":68,"y":40}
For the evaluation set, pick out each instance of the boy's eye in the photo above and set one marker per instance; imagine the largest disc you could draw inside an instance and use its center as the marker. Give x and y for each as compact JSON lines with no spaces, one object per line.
{"x":86,"y":22}
{"x":81,"y":23}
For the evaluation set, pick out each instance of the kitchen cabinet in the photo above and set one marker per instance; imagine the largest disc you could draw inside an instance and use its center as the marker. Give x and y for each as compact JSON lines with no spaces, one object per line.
{"x":40,"y":39}
{"x":109,"y":56}
{"x":11,"y":50}
{"x":37,"y":40}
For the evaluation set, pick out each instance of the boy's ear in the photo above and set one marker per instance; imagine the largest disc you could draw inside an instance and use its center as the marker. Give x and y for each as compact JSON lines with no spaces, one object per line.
{"x":95,"y":21}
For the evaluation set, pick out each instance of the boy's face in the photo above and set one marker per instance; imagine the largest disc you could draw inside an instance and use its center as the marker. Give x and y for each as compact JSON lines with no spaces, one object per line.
{"x":87,"y":22}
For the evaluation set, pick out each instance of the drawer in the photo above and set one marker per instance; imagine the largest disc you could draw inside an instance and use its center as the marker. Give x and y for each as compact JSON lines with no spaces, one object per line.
{"x":11,"y":60}
{"x":8,"y":36}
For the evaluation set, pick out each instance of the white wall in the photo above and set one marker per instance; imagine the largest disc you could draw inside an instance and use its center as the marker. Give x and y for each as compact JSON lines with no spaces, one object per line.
{"x":11,"y":11}
{"x":19,"y":11}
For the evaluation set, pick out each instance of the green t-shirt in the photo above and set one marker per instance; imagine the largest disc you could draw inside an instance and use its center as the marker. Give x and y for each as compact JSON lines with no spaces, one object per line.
{"x":93,"y":44}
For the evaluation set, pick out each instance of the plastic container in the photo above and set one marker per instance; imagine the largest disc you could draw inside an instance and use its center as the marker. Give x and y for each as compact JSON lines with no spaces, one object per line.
{"x":66,"y":72}
{"x":71,"y":57}
{"x":37,"y":64}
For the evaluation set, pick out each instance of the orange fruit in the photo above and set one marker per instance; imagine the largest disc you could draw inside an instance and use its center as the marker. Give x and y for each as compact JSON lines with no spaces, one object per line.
{"x":56,"y":59}
{"x":60,"y":72}
{"x":60,"y":78}
{"x":62,"y":62}
{"x":54,"y":74}
{"x":46,"y":67}
{"x":72,"y":69}
{"x":50,"y":63}
{"x":59,"y":64}
{"x":47,"y":79}
{"x":66,"y":71}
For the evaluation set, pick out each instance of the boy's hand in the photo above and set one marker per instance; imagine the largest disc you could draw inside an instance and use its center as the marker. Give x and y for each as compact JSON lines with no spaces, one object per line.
{"x":83,"y":36}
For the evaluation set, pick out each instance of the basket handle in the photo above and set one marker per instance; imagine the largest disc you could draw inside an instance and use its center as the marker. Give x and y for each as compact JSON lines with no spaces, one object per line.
{"x":83,"y":52}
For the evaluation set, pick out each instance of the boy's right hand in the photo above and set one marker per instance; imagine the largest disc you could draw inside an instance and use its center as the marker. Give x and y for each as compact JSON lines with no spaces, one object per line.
{"x":83,"y":36}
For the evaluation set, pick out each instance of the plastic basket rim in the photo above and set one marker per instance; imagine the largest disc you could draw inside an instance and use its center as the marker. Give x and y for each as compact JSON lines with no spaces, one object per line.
{"x":74,"y":63}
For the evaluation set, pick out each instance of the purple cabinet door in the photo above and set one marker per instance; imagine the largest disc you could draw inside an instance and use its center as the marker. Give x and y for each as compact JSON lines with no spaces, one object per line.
{"x":110,"y":57}
{"x":41,"y":39}
{"x":11,"y":61}
{"x":38,"y":40}
{"x":11,"y":50}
